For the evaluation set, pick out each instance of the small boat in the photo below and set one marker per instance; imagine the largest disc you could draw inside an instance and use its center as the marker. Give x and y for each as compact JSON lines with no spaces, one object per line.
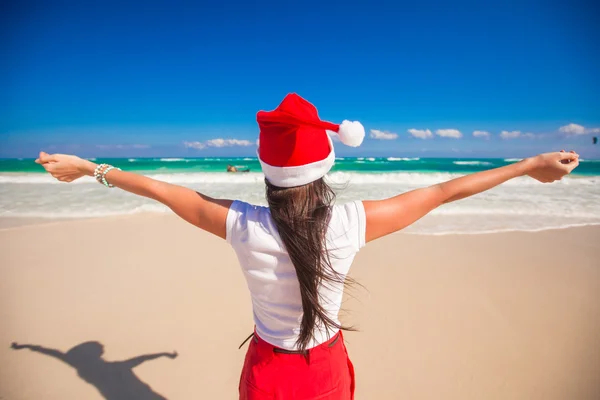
{"x":237,"y":168}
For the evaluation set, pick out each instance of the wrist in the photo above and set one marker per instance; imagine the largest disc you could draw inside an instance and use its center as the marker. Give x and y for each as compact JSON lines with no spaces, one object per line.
{"x":87,"y":167}
{"x":526,"y":165}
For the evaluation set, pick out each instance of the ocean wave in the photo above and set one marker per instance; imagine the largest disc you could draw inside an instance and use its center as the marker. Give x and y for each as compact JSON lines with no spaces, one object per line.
{"x":35,"y":178}
{"x":470,"y":220}
{"x":471,"y":163}
{"x":171,"y":159}
{"x":403,"y":159}
{"x":132,"y":159}
{"x":402,"y":178}
{"x":512,"y":159}
{"x":94,"y":212}
{"x":370,"y":159}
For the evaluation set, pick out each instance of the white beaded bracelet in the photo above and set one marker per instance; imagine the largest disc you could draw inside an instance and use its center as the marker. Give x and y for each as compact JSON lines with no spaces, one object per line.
{"x":98,"y":172}
{"x":104,"y":181}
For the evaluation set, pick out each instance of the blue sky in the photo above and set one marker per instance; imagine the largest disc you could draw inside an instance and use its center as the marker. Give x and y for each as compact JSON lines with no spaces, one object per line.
{"x":143,"y":79}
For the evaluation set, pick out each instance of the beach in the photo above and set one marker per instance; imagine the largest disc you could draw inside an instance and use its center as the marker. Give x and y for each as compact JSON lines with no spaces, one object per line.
{"x":507,"y":315}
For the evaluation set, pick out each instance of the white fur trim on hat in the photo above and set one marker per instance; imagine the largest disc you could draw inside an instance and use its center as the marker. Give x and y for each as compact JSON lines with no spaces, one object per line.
{"x":351,"y":133}
{"x":300,"y":175}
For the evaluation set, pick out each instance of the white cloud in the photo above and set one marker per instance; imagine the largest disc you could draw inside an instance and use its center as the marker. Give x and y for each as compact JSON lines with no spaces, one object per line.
{"x":510,"y":134}
{"x":529,"y":135}
{"x":194,"y":145}
{"x":450,"y":133}
{"x":381,"y":135}
{"x":575,"y":129}
{"x":421,"y":133}
{"x":572,"y":129}
{"x":483,"y":134}
{"x":219,"y":142}
{"x":227,"y":142}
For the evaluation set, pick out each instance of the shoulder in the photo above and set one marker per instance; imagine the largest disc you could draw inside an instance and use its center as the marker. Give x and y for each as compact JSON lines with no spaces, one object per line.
{"x":349,"y":221}
{"x":241,"y":215}
{"x":239,"y":208}
{"x":353,"y":212}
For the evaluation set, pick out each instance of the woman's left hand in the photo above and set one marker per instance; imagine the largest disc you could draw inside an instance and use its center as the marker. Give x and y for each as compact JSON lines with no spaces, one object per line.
{"x":65,"y":168}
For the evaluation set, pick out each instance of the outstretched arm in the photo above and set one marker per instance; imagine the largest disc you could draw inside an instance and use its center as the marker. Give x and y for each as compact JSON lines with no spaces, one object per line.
{"x":197,"y":209}
{"x":393,"y":214}
{"x":40,"y":349}
{"x":135,"y":361}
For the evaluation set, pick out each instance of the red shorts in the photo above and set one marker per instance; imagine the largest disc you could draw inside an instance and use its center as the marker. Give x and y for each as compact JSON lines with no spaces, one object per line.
{"x":270,"y":374}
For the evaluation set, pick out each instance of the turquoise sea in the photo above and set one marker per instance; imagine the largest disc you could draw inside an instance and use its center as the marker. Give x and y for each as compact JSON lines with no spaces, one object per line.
{"x":521,"y":204}
{"x":354,"y":164}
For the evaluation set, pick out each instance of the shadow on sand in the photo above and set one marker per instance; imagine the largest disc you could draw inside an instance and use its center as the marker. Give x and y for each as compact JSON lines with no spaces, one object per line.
{"x":115,"y":380}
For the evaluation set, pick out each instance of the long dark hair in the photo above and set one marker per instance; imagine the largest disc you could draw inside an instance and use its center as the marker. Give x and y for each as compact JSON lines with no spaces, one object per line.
{"x":302,"y":216}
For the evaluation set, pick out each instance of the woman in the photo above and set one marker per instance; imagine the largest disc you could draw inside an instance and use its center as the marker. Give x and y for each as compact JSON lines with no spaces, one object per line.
{"x":296,"y":252}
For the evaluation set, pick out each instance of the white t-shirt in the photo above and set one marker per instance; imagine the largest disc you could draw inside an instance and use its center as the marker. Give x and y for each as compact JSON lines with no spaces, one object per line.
{"x":270,"y":274}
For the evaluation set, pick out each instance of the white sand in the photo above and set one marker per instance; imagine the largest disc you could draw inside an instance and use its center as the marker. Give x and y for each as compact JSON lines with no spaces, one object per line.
{"x":498,"y":316}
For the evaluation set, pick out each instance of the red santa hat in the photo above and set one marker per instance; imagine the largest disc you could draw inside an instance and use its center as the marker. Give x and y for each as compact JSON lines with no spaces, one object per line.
{"x":294,"y":144}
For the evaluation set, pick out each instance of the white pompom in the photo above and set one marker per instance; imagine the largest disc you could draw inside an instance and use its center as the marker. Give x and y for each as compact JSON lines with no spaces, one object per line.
{"x":351,"y":133}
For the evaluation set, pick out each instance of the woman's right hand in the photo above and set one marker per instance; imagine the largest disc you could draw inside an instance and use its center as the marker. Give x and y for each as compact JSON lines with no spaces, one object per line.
{"x":550,"y":167}
{"x":65,"y":168}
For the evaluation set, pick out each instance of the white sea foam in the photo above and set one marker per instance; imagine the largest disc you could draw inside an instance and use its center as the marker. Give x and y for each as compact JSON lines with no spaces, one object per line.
{"x":402,"y":178}
{"x":171,"y":159}
{"x":403,"y":159}
{"x":132,"y":159}
{"x":370,"y":159}
{"x":471,"y":163}
{"x":512,"y":159}
{"x":520,"y":204}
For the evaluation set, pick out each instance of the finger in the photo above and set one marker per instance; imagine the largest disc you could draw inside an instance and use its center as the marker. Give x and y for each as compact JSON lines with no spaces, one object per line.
{"x":40,"y":156}
{"x":46,"y":158}
{"x":572,"y":165}
{"x":566,"y":156}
